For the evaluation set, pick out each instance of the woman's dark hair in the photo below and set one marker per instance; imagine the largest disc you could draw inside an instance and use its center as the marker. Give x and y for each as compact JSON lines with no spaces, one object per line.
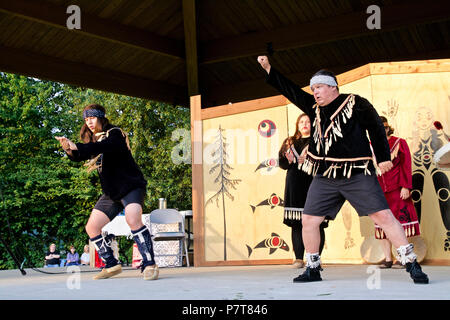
{"x":391,"y":130}
{"x":325,"y":72}
{"x":297,"y":135}
{"x":86,"y":134}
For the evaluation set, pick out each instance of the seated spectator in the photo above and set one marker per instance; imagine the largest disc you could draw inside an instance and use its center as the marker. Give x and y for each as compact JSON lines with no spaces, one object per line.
{"x":85,"y":258}
{"x":72,"y":257}
{"x":52,"y":257}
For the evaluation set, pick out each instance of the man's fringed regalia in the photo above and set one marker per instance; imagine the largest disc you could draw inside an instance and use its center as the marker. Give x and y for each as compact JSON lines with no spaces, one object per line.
{"x":337,"y":148}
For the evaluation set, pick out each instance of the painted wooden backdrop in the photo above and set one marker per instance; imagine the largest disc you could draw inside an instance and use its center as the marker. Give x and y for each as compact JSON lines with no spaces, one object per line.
{"x":238,"y":189}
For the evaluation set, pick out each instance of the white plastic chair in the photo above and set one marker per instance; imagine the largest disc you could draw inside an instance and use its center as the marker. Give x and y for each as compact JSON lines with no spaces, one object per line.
{"x":170,"y":216}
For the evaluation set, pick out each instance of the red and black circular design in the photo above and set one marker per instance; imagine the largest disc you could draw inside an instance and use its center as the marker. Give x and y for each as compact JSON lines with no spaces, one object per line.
{"x":275,"y":241}
{"x":274,"y":200}
{"x":267,"y":128}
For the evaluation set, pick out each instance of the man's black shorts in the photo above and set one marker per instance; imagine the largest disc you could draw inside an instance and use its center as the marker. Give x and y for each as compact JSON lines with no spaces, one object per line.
{"x":112,"y":208}
{"x":327,"y":195}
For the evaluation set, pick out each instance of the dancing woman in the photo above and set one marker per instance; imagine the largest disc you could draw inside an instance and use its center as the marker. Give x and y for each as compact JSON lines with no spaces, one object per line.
{"x":123,"y":186}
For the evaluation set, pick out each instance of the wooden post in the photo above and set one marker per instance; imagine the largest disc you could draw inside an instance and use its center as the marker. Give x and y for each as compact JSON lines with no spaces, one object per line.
{"x":197,"y":180}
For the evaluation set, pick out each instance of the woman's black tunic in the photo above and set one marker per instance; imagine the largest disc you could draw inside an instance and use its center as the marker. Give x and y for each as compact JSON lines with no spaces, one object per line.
{"x":296,"y":186}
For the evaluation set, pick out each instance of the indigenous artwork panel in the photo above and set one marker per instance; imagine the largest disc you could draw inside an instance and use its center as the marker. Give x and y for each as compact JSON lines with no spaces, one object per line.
{"x":243,"y":187}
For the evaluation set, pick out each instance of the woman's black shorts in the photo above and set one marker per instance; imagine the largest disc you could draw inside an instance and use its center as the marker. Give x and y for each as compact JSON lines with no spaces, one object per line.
{"x":112,"y":208}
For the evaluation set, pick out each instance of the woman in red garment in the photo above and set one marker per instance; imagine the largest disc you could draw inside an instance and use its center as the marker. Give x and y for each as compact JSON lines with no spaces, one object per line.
{"x":397,"y":185}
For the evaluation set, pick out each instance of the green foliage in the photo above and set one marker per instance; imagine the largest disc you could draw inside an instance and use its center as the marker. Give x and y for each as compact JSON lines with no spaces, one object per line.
{"x":149,"y":126}
{"x":46,"y":197}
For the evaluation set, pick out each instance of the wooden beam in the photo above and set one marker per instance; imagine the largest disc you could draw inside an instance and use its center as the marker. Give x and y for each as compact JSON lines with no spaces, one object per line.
{"x":322,"y":31}
{"x":93,"y":26}
{"x":245,"y":106}
{"x":421,"y":66}
{"x":190,"y":43}
{"x":44,"y":67}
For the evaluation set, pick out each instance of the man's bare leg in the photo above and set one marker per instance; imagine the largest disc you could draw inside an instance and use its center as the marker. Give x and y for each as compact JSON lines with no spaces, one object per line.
{"x":311,"y":241}
{"x":311,"y":232}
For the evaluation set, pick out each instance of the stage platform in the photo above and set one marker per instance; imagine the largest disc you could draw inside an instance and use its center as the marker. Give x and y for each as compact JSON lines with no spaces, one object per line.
{"x":271,"y":282}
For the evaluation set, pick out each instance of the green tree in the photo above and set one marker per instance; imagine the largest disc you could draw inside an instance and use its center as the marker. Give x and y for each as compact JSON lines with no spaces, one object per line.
{"x":46,"y":197}
{"x":149,"y":126}
{"x":41,"y":190}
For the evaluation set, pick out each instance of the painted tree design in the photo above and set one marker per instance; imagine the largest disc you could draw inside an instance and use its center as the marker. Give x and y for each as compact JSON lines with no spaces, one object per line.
{"x":222,"y":169}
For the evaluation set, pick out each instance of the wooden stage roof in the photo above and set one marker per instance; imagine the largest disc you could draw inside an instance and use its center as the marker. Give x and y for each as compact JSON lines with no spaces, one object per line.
{"x":168,"y":50}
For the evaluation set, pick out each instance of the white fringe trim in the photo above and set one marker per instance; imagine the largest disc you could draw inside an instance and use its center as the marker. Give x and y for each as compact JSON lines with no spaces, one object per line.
{"x":293,"y":213}
{"x":406,"y":254}
{"x":313,"y":260}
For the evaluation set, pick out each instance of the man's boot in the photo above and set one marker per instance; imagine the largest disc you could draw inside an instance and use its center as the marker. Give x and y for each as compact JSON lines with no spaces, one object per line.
{"x":416,"y":273}
{"x":409,"y":259}
{"x":313,"y":268}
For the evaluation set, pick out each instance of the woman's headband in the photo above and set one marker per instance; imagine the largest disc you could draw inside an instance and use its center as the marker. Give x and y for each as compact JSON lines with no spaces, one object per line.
{"x":93,"y":113}
{"x":322,"y":79}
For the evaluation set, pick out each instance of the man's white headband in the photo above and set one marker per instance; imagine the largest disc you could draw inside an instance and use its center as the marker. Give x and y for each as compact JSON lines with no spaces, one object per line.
{"x":322,"y":79}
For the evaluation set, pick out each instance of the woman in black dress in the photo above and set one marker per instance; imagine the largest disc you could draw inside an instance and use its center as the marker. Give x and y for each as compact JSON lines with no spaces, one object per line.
{"x":291,"y":156}
{"x":123,"y":186}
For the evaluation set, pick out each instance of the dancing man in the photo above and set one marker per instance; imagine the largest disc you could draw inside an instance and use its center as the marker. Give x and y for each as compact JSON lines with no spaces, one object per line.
{"x":340,"y":159}
{"x":123,"y":185}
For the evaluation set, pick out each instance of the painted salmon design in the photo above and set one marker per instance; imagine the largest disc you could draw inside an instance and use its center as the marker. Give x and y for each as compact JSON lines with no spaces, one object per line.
{"x":273,"y":243}
{"x":268,"y":163}
{"x":272,"y":201}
